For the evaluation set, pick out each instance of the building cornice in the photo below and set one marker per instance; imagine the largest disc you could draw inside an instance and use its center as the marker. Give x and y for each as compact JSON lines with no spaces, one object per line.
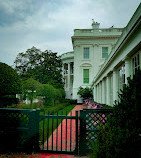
{"x":95,"y":37}
{"x":133,"y":25}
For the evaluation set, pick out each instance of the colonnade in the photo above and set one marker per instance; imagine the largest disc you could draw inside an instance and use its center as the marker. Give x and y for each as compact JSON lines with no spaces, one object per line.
{"x":68,"y":78}
{"x":106,"y":90}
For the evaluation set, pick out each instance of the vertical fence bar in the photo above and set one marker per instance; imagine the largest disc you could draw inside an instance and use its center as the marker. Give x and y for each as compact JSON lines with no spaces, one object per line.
{"x":76,"y":134}
{"x":61,"y":131}
{"x":82,"y":143}
{"x":31,"y":130}
{"x":66,"y":130}
{"x":47,"y":129}
{"x":43,"y":129}
{"x":57,"y":133}
{"x":37,"y":120}
{"x":70,"y":131}
{"x":52,"y":130}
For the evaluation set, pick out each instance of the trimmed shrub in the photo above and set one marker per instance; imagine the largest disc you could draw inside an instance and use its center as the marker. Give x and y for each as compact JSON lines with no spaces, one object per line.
{"x":50,"y":94}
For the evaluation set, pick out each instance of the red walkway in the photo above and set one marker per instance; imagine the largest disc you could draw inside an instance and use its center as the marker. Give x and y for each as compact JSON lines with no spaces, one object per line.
{"x":49,"y":155}
{"x":71,"y":134}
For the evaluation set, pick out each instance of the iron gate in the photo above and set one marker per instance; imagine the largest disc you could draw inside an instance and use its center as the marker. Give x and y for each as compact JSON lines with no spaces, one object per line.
{"x":51,"y":132}
{"x":59,"y":133}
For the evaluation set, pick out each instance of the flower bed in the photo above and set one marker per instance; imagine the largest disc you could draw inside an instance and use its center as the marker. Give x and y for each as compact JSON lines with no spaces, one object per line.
{"x":88,"y":104}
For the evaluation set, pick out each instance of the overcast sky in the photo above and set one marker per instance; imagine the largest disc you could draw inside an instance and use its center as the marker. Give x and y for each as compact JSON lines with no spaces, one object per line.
{"x":49,"y":24}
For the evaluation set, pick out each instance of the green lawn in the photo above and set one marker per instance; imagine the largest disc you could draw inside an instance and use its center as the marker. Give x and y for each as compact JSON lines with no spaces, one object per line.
{"x":47,"y":123}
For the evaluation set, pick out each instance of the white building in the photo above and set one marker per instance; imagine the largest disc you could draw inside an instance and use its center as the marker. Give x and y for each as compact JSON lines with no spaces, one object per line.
{"x":123,"y":61}
{"x":102,"y":58}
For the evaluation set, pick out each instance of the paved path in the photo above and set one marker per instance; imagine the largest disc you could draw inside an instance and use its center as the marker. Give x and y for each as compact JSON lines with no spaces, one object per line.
{"x":70,"y":144}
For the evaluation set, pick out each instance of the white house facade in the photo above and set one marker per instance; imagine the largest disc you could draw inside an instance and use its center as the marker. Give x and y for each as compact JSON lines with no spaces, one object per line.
{"x":102,"y":58}
{"x":123,"y":62}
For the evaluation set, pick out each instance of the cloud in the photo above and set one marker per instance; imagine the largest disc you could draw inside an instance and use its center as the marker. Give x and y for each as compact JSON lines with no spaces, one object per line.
{"x":49,"y":24}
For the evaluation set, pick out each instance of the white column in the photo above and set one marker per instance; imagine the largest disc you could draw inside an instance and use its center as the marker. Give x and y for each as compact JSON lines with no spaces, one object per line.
{"x":95,"y":94}
{"x":105,"y":87}
{"x":100,"y":87}
{"x":127,"y":69}
{"x":114,"y":85}
{"x":68,"y":76}
{"x":63,"y":70}
{"x":98,"y":93}
{"x":108,"y":90}
{"x":103,"y":93}
{"x":63,"y":74}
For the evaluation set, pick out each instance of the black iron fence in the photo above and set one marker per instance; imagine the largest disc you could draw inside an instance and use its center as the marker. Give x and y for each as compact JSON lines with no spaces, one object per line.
{"x":90,"y":122}
{"x":20,"y":130}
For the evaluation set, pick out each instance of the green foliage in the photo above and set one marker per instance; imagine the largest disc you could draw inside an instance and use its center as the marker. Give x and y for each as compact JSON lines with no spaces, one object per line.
{"x":24,"y":106}
{"x":10,"y":81}
{"x":50,"y":94}
{"x":120,"y":137}
{"x":85,"y":93}
{"x":44,"y":67}
{"x":30,"y":87}
{"x":11,"y":84}
{"x":72,"y":102}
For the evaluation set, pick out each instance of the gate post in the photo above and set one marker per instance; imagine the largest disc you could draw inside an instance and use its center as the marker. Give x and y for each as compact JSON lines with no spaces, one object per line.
{"x":82,"y":138}
{"x":37,"y":120}
{"x":76,"y":149}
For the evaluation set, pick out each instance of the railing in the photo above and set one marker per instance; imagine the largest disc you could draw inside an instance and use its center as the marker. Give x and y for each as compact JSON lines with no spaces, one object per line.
{"x":98,"y":31}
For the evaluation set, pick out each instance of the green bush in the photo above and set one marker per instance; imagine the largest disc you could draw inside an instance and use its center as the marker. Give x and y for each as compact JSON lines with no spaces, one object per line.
{"x":50,"y":94}
{"x":120,"y":137}
{"x":8,"y":100}
{"x":71,"y":101}
{"x":85,"y":93}
{"x":59,"y":95}
{"x":10,"y":85}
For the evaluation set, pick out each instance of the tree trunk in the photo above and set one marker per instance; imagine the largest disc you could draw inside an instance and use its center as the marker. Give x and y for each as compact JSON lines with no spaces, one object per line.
{"x":31,"y":103}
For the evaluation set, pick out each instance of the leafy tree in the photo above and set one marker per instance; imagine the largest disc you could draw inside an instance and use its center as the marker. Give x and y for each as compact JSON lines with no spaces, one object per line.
{"x":30,"y":87}
{"x":44,"y":67}
{"x":85,"y":93}
{"x":10,"y":84}
{"x":48,"y":93}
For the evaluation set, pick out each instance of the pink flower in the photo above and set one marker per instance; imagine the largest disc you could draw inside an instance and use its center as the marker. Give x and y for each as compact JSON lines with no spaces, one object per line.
{"x":103,"y":115}
{"x":95,"y":123}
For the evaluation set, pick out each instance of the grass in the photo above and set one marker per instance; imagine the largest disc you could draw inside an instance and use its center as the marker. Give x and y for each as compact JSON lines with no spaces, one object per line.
{"x":43,"y":124}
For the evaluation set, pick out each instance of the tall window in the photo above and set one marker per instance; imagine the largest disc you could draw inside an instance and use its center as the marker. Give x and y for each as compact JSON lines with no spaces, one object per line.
{"x":86,"y":53}
{"x":85,"y":75}
{"x":136,"y":63}
{"x":121,"y":78}
{"x":104,"y":52}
